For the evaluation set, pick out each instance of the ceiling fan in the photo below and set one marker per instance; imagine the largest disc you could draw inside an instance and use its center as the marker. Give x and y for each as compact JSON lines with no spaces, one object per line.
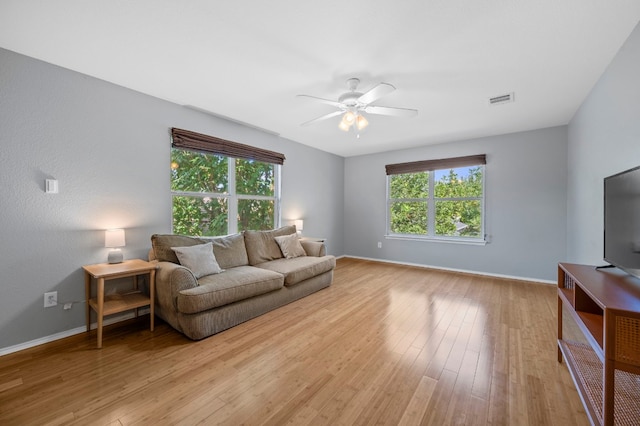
{"x":352,"y":104}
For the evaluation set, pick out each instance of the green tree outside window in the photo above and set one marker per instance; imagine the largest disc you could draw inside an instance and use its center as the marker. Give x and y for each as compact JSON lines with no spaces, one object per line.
{"x":204,"y":197}
{"x":454,"y":197}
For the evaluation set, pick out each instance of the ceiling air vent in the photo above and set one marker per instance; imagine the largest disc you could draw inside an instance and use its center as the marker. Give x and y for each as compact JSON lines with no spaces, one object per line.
{"x":502,"y":99}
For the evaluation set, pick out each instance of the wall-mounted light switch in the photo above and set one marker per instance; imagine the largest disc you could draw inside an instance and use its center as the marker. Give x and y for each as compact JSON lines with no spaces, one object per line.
{"x":51,"y":186}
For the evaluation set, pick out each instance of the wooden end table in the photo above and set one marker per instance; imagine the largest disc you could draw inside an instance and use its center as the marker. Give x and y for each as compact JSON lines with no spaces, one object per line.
{"x":115,"y":303}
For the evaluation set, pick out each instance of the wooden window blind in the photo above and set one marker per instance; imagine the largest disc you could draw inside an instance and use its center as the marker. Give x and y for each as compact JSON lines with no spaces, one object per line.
{"x":185,"y":139}
{"x":428,"y":165}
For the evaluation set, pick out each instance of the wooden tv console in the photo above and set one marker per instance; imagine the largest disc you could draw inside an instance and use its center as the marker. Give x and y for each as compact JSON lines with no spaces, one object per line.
{"x":603,"y":351}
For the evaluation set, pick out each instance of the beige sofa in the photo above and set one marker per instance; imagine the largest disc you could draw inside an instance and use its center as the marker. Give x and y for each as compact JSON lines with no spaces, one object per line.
{"x":251,"y":276}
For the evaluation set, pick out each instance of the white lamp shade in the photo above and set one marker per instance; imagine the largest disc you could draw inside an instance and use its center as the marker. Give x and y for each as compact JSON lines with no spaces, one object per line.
{"x":361,"y":122}
{"x":349,"y":117}
{"x":344,"y":126}
{"x":299,"y":224}
{"x":114,"y":238}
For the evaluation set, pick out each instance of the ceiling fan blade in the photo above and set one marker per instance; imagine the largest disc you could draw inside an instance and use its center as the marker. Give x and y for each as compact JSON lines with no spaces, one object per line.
{"x":324,"y":117}
{"x":394,"y":112}
{"x":376,"y":93}
{"x":326,"y":101}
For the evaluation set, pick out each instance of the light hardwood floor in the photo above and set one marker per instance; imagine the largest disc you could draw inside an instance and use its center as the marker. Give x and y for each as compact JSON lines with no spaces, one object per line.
{"x":385,"y":344}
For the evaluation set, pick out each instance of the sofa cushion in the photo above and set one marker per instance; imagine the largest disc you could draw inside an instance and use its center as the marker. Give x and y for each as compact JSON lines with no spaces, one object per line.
{"x":227,"y":287}
{"x":162,"y":243}
{"x":230,"y":250}
{"x":290,"y":246}
{"x":199,"y":259}
{"x":261,"y":245}
{"x":300,"y":268}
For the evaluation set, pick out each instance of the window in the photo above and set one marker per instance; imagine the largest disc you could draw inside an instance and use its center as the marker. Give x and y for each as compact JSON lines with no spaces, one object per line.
{"x":215,"y":193}
{"x":437,"y":199}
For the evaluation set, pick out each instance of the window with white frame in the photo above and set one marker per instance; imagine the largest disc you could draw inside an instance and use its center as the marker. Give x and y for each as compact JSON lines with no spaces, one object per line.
{"x":221,"y":187}
{"x":437,"y":199}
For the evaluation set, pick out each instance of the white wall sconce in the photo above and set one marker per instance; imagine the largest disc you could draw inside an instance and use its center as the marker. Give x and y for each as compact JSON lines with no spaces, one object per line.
{"x":114,"y":239}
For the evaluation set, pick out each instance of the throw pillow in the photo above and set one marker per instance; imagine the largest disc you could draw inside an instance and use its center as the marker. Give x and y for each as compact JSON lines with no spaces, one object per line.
{"x":229,"y":251}
{"x":199,"y":259}
{"x":290,"y":246}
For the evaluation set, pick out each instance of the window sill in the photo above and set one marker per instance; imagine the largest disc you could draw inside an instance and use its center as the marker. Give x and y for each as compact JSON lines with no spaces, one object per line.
{"x":464,"y":241}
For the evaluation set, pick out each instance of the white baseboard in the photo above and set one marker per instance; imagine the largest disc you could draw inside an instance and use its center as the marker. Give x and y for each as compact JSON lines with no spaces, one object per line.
{"x":464,"y":271}
{"x":78,"y":330}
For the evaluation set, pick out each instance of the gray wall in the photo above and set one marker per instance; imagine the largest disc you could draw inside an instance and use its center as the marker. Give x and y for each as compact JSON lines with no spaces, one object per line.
{"x":525,"y":206}
{"x":109,"y":149}
{"x":604,"y":139}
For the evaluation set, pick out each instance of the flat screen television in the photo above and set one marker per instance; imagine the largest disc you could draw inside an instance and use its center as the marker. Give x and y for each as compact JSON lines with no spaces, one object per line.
{"x":622,"y":220}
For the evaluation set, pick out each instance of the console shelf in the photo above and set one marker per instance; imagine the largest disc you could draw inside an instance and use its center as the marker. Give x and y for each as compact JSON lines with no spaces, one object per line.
{"x":605,"y":361}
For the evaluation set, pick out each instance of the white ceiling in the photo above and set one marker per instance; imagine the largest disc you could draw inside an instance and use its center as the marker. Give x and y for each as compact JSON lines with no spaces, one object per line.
{"x":247,"y":60}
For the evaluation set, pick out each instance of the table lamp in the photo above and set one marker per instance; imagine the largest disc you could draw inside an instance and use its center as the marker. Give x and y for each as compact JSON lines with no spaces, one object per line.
{"x":114,"y":239}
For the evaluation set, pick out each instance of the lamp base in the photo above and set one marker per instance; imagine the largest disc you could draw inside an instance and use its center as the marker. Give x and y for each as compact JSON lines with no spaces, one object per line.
{"x":115,"y":256}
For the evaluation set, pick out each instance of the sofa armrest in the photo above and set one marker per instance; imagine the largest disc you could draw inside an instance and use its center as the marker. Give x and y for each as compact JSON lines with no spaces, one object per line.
{"x":171,"y":279}
{"x":314,"y":248}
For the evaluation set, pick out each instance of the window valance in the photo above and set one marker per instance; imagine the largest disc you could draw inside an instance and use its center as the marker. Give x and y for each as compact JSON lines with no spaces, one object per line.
{"x":427,"y":165}
{"x":185,"y":139}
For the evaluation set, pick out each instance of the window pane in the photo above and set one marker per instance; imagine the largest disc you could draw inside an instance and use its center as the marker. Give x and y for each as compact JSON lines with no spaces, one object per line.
{"x":199,"y":216}
{"x":255,"y":214}
{"x":409,"y":185}
{"x":409,"y":218}
{"x":255,"y":178}
{"x":459,"y":218}
{"x":198,"y":172}
{"x":460,"y":182}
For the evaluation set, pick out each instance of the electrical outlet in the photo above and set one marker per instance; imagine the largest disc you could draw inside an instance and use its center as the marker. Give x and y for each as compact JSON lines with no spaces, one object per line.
{"x":50,"y":299}
{"x":379,"y":244}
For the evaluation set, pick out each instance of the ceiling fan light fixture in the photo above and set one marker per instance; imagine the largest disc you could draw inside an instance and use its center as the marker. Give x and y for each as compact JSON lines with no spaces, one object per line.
{"x":361,"y":122}
{"x":349,"y":117}
{"x":344,"y":126}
